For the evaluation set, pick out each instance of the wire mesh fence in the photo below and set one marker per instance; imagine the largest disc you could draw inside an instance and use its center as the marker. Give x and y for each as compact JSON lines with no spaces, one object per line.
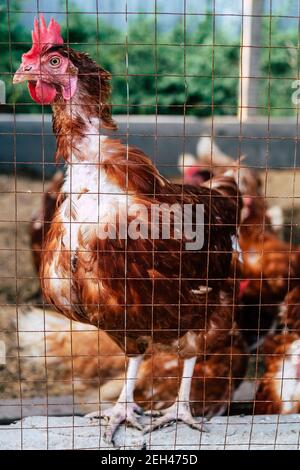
{"x":104,"y":304}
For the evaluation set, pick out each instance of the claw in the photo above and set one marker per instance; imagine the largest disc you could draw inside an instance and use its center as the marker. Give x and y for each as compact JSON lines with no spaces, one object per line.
{"x":116,"y":415}
{"x":94,"y":415}
{"x":176,"y":412}
{"x":153,"y":413}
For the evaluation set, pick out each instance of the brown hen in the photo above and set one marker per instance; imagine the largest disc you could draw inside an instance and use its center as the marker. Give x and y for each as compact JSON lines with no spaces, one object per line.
{"x":140,"y":289}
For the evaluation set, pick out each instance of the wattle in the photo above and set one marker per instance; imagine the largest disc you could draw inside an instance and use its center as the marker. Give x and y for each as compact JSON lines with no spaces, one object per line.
{"x":42,"y":92}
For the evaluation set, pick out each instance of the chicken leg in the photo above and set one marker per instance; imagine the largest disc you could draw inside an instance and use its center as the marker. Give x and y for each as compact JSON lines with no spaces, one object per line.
{"x":125,"y":409}
{"x":180,"y":410}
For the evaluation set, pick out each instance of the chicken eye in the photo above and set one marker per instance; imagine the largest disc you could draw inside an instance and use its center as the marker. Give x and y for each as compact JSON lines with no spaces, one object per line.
{"x":54,"y":61}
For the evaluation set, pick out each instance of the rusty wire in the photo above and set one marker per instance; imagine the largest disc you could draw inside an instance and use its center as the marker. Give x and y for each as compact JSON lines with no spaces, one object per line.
{"x":183,"y":109}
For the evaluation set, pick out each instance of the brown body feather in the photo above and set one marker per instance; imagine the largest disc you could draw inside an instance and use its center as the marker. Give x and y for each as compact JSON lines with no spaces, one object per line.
{"x":160,"y":274}
{"x":290,"y":310}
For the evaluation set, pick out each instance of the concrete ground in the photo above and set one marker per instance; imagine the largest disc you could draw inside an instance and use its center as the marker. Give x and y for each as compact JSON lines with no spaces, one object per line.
{"x":225,"y":433}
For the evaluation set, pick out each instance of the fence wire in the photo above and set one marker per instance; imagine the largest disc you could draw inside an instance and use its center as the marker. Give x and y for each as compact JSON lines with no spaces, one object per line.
{"x":51,"y":365}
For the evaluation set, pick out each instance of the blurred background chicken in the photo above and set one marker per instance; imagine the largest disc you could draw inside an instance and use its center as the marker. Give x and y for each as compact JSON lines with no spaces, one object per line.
{"x":215,"y":379}
{"x":211,"y":161}
{"x":69,"y":356}
{"x":290,"y":311}
{"x":279,"y":390}
{"x":270,"y":266}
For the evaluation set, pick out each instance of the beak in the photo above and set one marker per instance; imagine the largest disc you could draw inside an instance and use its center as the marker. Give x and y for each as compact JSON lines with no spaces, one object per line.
{"x":22,"y":75}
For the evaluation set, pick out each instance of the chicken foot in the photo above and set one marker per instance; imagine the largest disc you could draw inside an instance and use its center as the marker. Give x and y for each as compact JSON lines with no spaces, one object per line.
{"x":125,"y":409}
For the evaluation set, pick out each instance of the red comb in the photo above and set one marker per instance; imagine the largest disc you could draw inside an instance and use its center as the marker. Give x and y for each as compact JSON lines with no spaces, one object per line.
{"x":43,"y":36}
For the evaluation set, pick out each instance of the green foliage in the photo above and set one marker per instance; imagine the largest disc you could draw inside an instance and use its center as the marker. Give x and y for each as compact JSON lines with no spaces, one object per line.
{"x":13,"y":36}
{"x":154,"y":72}
{"x":279,"y":67}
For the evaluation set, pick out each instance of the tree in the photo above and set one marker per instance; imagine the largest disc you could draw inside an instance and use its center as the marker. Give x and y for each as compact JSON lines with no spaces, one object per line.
{"x":13,"y":36}
{"x":152,"y":69}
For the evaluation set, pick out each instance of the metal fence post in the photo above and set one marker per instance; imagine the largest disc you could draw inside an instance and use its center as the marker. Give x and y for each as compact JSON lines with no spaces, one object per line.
{"x":250,"y":59}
